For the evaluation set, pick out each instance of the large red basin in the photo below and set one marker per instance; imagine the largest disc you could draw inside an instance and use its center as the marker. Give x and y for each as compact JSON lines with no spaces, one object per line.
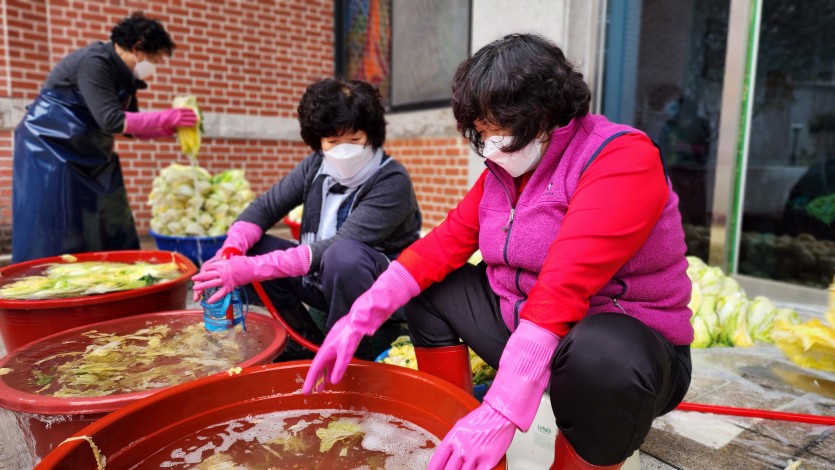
{"x":23,"y":321}
{"x":129,"y":435}
{"x":52,"y":419}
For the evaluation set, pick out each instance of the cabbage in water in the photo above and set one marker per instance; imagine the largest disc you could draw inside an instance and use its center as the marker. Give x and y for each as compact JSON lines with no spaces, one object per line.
{"x":60,"y":280}
{"x":153,"y":357}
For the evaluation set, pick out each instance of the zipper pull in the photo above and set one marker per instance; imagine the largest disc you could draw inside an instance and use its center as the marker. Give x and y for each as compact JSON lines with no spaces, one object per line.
{"x":510,"y":220}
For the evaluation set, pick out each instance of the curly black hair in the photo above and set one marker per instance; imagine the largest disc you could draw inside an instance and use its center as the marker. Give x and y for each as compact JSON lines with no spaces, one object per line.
{"x":146,"y":34}
{"x":521,"y":82}
{"x":331,"y":107}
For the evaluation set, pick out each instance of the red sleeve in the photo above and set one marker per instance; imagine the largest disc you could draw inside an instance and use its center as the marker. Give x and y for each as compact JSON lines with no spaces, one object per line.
{"x":618,"y":201}
{"x":448,"y":246}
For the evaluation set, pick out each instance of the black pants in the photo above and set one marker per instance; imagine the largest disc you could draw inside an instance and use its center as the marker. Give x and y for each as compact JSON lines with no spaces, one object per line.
{"x":611,"y":375}
{"x":348,"y":269}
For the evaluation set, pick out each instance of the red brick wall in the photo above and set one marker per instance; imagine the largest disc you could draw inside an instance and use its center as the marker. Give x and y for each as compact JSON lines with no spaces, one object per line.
{"x":5,"y":191}
{"x":28,"y":47}
{"x":4,"y":53}
{"x":252,"y":57}
{"x":438,"y":167}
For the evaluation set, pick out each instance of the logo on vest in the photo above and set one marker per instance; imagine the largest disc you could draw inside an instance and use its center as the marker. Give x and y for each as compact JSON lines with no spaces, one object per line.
{"x":549,"y":190}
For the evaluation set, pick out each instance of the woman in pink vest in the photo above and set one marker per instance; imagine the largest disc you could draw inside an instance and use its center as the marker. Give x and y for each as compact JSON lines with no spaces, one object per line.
{"x":583,"y":288}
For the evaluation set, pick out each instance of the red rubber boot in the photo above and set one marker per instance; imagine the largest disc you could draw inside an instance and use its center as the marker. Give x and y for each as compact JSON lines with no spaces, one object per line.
{"x":565,"y":458}
{"x":451,"y":363}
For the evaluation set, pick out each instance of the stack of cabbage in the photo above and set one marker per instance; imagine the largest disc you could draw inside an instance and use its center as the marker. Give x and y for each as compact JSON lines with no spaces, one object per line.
{"x":723,"y":315}
{"x":189,"y":201}
{"x":295,"y":215}
{"x":402,"y":353}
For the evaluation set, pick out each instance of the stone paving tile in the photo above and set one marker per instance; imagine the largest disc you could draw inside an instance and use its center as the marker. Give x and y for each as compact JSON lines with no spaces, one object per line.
{"x":649,"y":462}
{"x":757,"y":448}
{"x":711,"y":441}
{"x":824,"y":448}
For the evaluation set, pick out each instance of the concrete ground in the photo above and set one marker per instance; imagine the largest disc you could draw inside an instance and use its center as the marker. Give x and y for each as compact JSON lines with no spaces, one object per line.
{"x":758,"y":378}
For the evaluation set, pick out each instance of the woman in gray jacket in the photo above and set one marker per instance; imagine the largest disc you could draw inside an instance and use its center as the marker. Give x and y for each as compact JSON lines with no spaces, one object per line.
{"x":360,"y":212}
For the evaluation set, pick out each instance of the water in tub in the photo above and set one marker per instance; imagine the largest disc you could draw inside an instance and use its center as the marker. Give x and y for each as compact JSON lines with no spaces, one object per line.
{"x":100,"y":363}
{"x":301,"y":439}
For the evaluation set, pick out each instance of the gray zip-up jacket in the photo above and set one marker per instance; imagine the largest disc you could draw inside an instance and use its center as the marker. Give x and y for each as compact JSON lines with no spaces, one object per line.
{"x":383,"y":212}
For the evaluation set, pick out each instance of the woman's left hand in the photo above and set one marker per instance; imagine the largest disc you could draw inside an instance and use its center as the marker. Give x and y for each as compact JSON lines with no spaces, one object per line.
{"x":478,"y":441}
{"x":224,"y":273}
{"x":242,"y":270}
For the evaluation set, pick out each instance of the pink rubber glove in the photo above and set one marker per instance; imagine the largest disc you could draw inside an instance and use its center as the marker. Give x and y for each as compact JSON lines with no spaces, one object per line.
{"x":480,"y":439}
{"x":151,"y":124}
{"x":388,"y":293}
{"x":241,"y":236}
{"x":242,"y":270}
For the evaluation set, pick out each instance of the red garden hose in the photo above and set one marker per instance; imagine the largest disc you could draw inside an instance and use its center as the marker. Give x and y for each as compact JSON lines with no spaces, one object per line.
{"x":229,"y":251}
{"x":755,"y":413}
{"x":290,"y":331}
{"x":683,"y":406}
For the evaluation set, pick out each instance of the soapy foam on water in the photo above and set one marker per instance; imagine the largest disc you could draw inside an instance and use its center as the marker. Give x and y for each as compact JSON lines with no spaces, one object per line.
{"x":406,"y":451}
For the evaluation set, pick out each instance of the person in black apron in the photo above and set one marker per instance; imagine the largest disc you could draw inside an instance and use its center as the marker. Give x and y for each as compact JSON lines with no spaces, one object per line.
{"x":68,"y":193}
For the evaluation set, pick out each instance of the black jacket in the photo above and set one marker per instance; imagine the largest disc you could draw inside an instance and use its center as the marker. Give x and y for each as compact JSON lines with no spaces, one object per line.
{"x":104,"y":81}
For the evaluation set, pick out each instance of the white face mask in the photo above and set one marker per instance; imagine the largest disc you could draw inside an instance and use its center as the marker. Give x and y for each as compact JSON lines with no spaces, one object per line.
{"x":144,"y":69}
{"x":346,"y":160}
{"x":516,"y":163}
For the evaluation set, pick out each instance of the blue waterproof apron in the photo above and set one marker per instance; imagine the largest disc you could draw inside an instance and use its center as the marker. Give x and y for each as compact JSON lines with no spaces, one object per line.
{"x":68,"y":194}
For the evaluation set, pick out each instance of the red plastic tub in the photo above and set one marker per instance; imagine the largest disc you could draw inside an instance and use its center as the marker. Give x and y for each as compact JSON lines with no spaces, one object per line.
{"x":295,"y":227}
{"x":23,"y":321}
{"x":52,"y":419}
{"x":138,"y":432}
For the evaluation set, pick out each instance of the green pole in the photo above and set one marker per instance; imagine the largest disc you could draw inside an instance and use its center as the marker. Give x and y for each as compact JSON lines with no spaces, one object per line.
{"x":748,"y":89}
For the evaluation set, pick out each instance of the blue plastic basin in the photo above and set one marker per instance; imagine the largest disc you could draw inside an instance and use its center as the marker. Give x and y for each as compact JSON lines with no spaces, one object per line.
{"x":197,"y":249}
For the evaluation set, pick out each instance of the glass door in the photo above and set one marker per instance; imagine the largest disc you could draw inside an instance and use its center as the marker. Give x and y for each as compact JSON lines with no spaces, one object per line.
{"x":664,"y":71}
{"x":788,"y":207}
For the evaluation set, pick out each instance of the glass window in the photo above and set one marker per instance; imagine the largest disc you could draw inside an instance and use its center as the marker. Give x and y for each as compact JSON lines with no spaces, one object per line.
{"x":409,"y":49}
{"x":665,"y":62}
{"x":788,"y":220}
{"x":363,"y":46}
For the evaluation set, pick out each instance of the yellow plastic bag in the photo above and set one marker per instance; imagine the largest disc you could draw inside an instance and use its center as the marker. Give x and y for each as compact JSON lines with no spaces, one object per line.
{"x":189,"y":137}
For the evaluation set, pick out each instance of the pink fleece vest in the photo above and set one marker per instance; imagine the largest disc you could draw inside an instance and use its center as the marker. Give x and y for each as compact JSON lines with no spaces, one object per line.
{"x":652,"y":286}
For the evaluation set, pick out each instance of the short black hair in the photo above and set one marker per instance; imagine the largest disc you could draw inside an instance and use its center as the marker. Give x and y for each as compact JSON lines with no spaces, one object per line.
{"x":146,"y":34}
{"x":521,"y":82}
{"x":332,"y":107}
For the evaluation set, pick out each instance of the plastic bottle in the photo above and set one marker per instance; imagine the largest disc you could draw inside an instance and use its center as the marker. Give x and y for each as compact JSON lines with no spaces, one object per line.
{"x":214,"y":314}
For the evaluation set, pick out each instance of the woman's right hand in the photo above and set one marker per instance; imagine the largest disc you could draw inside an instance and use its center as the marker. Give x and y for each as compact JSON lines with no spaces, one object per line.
{"x":181,"y":117}
{"x":333,"y":357}
{"x":388,"y":293}
{"x":149,"y":124}
{"x":240,"y":237}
